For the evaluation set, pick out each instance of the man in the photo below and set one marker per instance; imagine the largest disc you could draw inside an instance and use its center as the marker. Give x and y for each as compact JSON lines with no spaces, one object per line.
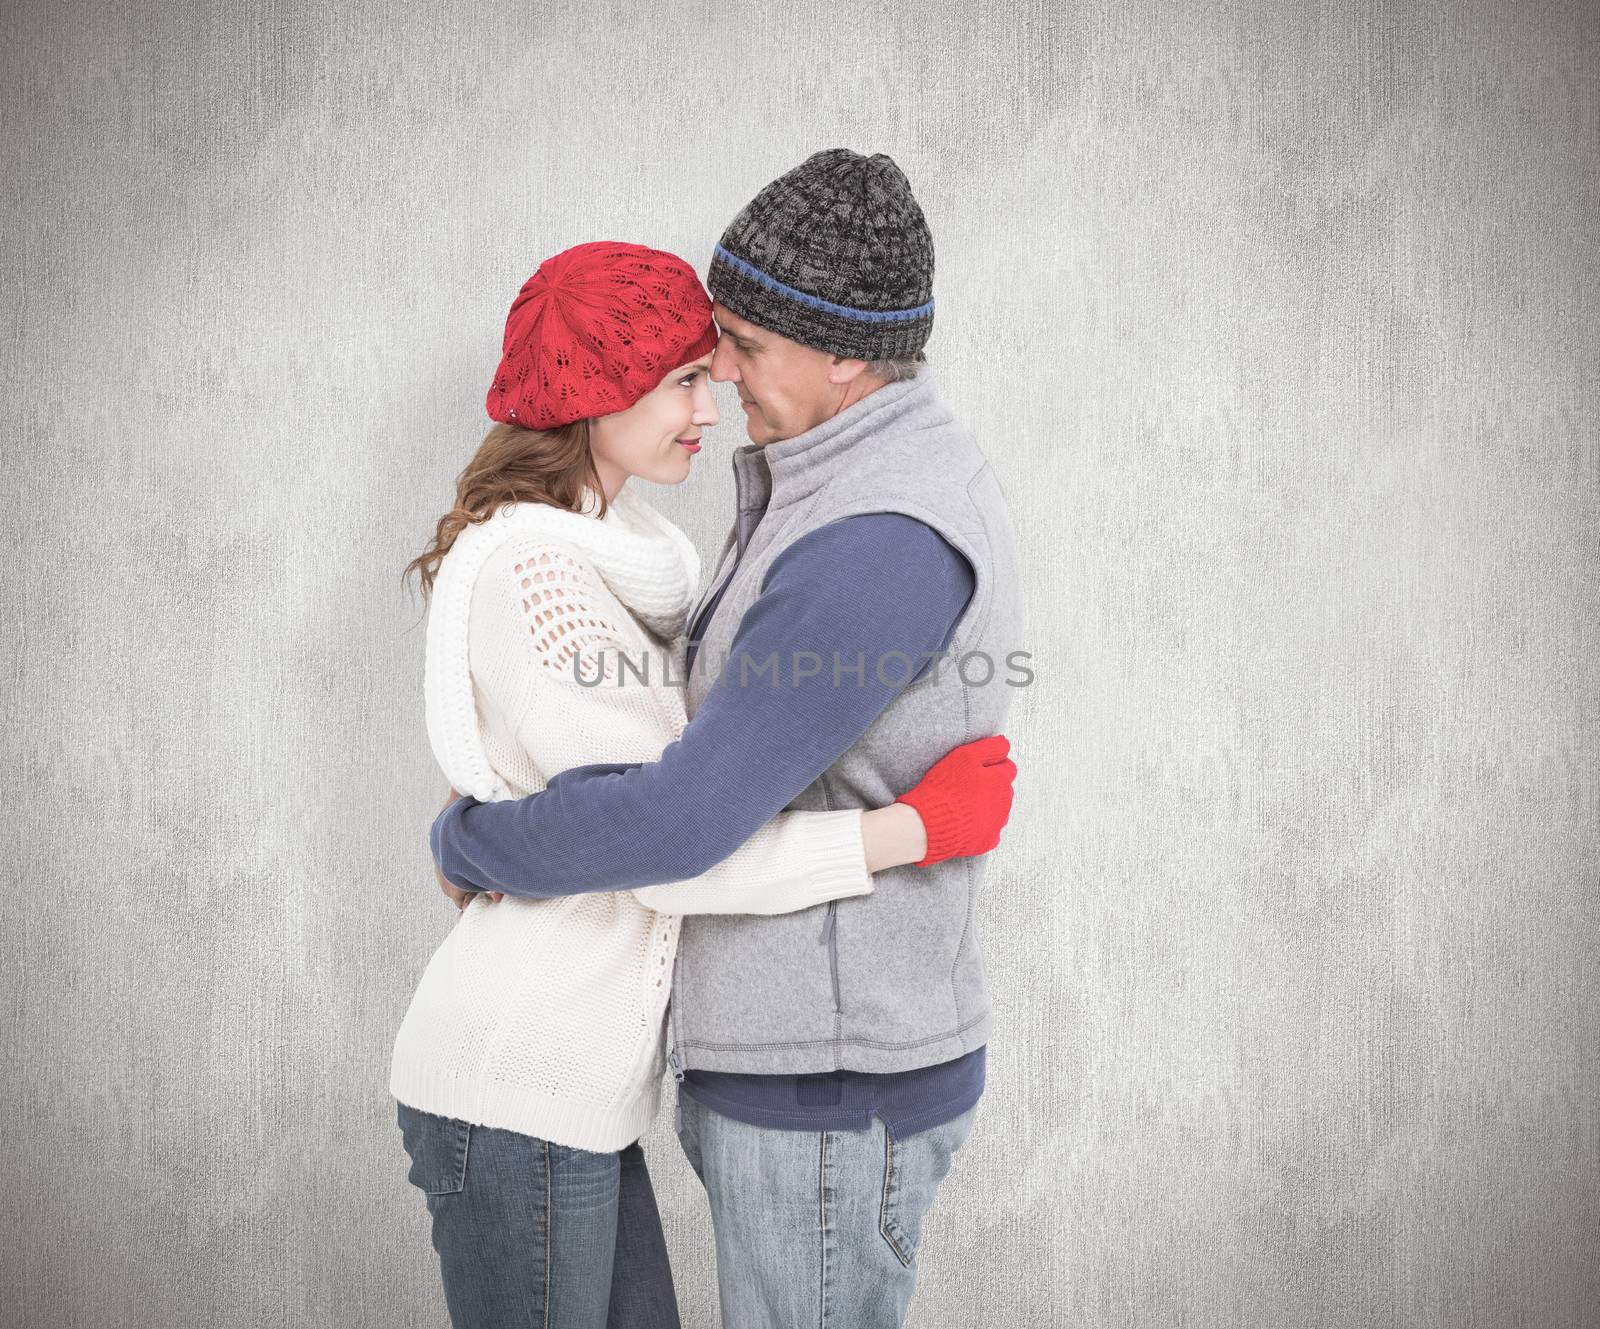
{"x":864,"y":607}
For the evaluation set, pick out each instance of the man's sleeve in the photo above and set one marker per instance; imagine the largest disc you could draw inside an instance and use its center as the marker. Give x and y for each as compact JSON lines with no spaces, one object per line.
{"x":881,"y":590}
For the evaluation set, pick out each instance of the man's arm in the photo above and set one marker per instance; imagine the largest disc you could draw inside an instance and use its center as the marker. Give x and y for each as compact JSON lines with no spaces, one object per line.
{"x":865,"y":586}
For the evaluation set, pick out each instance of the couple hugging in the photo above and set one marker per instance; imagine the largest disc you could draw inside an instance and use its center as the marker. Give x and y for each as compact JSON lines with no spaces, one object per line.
{"x":761,"y":821}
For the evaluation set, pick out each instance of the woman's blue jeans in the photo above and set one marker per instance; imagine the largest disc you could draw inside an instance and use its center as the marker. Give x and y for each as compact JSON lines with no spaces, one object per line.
{"x":531,"y":1233}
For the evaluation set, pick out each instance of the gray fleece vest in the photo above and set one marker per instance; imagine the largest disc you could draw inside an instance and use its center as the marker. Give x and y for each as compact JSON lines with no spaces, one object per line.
{"x":893,"y":980}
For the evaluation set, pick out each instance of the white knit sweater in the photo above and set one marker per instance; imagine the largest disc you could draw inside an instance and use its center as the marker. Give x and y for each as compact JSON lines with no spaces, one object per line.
{"x":546,"y":1016}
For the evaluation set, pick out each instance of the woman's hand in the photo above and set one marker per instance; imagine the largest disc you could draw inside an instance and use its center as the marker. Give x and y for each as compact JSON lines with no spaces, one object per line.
{"x":458,"y":897}
{"x":964,"y":799}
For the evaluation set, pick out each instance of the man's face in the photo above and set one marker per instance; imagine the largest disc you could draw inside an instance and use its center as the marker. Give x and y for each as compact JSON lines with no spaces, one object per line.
{"x":784,"y":387}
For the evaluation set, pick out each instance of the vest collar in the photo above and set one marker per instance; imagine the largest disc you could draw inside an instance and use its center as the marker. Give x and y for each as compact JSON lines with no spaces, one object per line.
{"x":790,"y":469}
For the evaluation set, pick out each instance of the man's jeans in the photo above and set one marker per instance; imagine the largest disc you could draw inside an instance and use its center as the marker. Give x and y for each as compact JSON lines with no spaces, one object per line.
{"x":533,"y":1233}
{"x":816,"y":1228}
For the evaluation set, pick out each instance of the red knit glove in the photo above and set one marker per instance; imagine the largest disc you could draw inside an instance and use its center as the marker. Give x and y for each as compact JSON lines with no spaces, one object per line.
{"x":964,"y":799}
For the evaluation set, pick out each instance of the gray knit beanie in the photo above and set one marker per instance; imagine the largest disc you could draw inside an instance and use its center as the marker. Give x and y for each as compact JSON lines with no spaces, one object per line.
{"x":835,"y":254}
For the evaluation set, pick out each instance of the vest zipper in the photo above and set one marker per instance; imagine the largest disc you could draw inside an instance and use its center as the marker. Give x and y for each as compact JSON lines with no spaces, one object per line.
{"x":674,"y":1060}
{"x":710,"y":598}
{"x":830,"y":934}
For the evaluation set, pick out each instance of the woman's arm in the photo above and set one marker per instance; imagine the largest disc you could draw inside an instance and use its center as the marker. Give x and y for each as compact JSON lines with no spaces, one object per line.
{"x":577,"y":706}
{"x":893,"y":836}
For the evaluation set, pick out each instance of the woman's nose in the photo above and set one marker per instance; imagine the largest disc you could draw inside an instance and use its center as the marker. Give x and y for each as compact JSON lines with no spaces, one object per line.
{"x":705,"y":405}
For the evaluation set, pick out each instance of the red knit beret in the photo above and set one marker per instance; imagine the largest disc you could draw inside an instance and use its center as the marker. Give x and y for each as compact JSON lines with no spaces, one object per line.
{"x":594,"y":329}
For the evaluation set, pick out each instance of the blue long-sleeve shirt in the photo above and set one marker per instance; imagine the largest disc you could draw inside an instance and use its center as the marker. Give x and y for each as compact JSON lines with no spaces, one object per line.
{"x":862,"y":587}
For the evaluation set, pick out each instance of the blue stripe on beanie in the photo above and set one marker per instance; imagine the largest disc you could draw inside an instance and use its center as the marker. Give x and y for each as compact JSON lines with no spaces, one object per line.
{"x":844,"y":311}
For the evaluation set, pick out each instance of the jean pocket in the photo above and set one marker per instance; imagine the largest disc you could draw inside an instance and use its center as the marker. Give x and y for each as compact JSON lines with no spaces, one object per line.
{"x":438,"y":1149}
{"x":912,"y":1171}
{"x":899,"y":1227}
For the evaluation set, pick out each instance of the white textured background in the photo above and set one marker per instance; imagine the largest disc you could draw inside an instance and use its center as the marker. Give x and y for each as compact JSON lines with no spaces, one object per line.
{"x":1280,"y":325}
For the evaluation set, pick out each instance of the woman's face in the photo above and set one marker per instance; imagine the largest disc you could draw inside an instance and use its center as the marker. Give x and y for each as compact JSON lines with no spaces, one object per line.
{"x":656,"y":438}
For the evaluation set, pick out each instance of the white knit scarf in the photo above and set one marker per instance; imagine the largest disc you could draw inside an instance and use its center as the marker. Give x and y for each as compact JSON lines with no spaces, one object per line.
{"x":647,"y":562}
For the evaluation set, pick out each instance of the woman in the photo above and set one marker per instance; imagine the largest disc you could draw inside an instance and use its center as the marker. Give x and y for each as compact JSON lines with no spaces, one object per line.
{"x":529,"y":1062}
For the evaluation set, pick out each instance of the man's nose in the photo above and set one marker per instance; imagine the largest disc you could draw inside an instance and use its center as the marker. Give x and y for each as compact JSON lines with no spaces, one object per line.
{"x":722,"y":367}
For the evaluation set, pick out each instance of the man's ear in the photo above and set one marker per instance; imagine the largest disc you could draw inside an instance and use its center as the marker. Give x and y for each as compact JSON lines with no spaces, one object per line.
{"x":842,"y":371}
